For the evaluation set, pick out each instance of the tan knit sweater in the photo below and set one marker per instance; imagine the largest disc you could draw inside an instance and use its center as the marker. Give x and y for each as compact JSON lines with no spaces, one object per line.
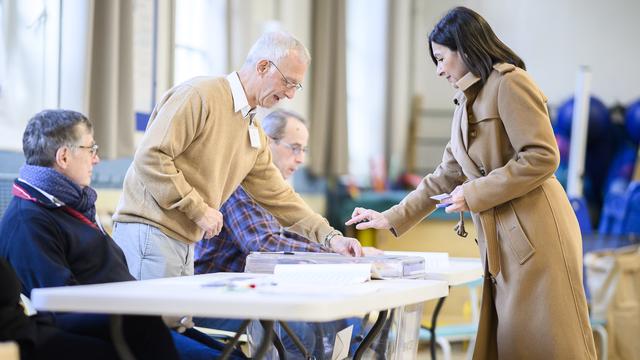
{"x":196,"y":152}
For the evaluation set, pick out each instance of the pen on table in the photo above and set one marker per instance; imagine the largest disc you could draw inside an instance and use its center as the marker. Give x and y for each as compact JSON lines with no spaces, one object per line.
{"x":244,"y":284}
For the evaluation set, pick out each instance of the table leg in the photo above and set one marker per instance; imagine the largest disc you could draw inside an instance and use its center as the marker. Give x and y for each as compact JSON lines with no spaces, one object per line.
{"x":266,"y":339}
{"x":231,"y":344}
{"x":277,"y":343}
{"x":375,"y":330}
{"x":117,"y":336}
{"x":381,"y":347}
{"x":296,"y":340}
{"x":432,"y":329}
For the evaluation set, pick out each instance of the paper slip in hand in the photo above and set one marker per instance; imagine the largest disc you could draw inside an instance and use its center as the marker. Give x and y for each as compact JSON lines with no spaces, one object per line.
{"x":440,"y":197}
{"x":331,"y":274}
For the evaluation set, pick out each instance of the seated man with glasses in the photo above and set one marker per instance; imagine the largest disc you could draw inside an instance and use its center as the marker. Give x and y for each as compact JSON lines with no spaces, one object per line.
{"x":50,"y":235}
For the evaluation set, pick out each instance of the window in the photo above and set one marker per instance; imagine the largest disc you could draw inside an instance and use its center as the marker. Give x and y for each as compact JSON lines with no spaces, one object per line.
{"x":200,"y":39}
{"x":29,"y":64}
{"x":366,"y":86}
{"x":173,"y":45}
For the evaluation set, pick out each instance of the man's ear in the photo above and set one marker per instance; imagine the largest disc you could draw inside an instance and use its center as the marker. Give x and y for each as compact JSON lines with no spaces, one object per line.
{"x":62,"y":157}
{"x":262,"y":67}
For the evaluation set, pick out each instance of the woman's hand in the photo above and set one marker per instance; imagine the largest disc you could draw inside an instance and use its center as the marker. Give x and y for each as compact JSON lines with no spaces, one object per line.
{"x":368,"y":219}
{"x":458,"y":202}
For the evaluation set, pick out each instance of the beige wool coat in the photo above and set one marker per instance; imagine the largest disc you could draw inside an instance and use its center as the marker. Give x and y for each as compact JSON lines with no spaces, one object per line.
{"x":503,"y":152}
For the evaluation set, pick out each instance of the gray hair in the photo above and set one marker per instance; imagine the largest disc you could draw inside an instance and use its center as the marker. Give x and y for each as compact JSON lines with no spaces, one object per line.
{"x":275,"y":123}
{"x":275,"y":45}
{"x":49,"y":130}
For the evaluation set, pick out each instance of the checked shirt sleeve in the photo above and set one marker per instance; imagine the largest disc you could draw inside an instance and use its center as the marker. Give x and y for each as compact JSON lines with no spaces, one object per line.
{"x":252,"y":228}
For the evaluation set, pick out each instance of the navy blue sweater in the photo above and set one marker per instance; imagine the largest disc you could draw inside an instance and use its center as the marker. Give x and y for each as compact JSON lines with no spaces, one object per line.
{"x":47,"y":246}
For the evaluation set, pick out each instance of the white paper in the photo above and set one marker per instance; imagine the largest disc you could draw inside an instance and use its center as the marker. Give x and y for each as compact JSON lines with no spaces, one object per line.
{"x":29,"y":310}
{"x":440,"y":197}
{"x":343,"y":341}
{"x":330,"y":274}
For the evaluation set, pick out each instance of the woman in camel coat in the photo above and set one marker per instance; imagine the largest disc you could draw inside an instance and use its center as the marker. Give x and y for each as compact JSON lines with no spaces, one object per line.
{"x":499,"y":164}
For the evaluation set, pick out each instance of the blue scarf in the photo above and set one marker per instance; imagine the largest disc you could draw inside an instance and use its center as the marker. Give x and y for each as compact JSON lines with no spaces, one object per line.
{"x":51,"y":181}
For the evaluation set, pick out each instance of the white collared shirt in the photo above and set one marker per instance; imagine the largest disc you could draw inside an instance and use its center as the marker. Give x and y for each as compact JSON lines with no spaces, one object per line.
{"x":240,"y":102}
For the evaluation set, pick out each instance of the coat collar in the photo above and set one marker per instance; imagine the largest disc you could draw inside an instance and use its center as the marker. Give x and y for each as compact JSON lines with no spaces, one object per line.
{"x":40,"y":196}
{"x":466,"y":81}
{"x":460,"y":125}
{"x":465,"y":88}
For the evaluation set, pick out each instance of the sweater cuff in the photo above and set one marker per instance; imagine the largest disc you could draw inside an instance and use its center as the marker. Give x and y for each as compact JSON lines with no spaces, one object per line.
{"x":195,"y":207}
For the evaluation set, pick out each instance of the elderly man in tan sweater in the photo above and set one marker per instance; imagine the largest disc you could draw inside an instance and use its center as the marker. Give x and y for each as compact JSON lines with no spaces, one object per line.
{"x":201,"y":143}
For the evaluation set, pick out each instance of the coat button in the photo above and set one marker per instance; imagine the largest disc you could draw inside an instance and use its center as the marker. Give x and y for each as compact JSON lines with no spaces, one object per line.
{"x":491,"y":278}
{"x":482,"y":172}
{"x":473,"y":133}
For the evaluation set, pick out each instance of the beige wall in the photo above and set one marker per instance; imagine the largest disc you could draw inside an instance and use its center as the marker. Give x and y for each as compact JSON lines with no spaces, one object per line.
{"x":553,"y":38}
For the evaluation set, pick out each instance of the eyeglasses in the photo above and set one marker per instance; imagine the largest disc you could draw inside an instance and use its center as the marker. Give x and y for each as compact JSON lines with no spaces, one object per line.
{"x":295,"y":148}
{"x":290,"y":84}
{"x":93,"y":149}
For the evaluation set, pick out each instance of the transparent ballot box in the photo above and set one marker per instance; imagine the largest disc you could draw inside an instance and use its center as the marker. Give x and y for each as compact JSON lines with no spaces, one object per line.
{"x":393,"y":334}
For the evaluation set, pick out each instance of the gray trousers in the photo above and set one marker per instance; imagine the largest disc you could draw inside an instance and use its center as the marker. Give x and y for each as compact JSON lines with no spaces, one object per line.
{"x":150,"y":253}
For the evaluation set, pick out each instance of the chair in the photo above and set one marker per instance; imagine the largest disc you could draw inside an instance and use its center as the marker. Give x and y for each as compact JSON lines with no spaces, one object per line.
{"x":621,"y":212}
{"x":598,"y":327}
{"x":9,"y":350}
{"x":631,"y":225}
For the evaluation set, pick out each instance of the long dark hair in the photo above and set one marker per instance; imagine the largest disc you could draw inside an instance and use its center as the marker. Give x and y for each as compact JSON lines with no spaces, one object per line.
{"x":465,"y":31}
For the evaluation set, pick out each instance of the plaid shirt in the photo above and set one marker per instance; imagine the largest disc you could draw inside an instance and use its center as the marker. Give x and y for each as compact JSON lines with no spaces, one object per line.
{"x":247,"y":227}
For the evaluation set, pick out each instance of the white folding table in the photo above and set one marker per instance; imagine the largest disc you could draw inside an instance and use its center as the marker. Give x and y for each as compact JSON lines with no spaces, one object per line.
{"x":207,"y":296}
